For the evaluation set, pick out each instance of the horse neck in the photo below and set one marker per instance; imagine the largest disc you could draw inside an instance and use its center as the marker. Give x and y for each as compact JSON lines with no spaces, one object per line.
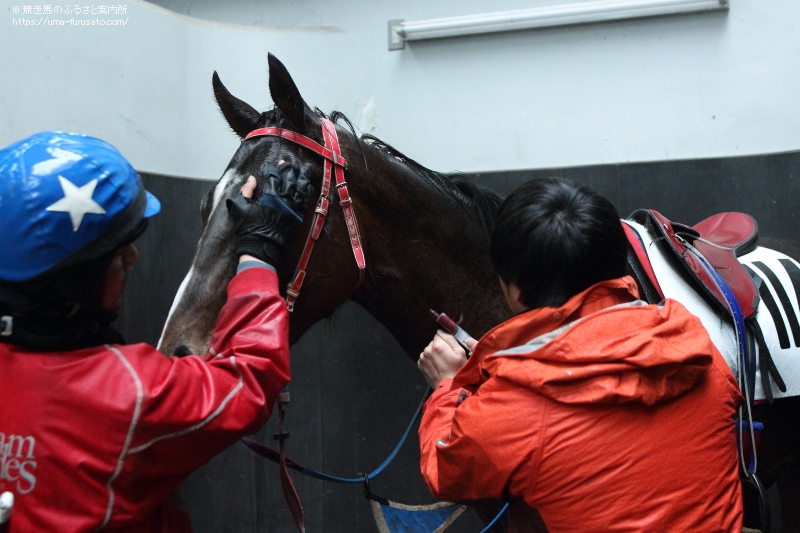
{"x":424,"y":251}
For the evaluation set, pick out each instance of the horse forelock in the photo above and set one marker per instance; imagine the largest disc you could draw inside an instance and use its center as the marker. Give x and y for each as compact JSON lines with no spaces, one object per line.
{"x":274,"y":118}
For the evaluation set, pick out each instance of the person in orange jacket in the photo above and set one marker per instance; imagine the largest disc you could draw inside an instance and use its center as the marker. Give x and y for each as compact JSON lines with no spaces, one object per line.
{"x":589,"y":410}
{"x":96,"y":434}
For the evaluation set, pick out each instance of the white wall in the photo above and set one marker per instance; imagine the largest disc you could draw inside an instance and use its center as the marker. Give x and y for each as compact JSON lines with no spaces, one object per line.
{"x":680,"y":87}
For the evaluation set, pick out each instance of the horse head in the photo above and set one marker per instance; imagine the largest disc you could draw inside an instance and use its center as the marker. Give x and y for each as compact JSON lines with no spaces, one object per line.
{"x":424,"y":234}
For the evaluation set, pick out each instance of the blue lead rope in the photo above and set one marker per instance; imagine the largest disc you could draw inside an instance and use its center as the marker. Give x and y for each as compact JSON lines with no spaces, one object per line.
{"x":267,"y":452}
{"x":271,"y":454}
{"x":336,"y":479}
{"x":495,"y":519}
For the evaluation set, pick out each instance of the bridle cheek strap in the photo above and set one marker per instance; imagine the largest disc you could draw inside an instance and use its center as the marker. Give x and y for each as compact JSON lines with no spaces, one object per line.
{"x":334,"y":166}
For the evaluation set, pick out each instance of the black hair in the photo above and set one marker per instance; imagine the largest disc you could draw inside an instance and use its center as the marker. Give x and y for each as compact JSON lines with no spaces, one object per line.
{"x":62,"y":309}
{"x":554,"y":238}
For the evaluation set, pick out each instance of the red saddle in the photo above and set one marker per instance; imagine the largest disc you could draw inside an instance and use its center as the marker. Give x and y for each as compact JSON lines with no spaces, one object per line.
{"x":721,"y":239}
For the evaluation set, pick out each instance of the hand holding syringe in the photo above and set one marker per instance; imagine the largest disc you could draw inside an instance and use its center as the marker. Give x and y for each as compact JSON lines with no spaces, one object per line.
{"x":442,"y":359}
{"x":453,"y":329}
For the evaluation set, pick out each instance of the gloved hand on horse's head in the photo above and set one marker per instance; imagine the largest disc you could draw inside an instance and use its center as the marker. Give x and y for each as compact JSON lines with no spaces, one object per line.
{"x":263,"y":227}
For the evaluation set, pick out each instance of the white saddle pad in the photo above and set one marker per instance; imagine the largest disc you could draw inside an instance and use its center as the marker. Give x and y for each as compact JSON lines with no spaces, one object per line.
{"x":779,"y":324}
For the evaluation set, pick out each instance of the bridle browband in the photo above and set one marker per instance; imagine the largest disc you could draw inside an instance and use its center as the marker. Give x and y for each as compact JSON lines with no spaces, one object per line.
{"x":332,"y":154}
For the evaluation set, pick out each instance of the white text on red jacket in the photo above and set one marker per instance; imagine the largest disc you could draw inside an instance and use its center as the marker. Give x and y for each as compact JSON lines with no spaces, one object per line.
{"x":17,"y":462}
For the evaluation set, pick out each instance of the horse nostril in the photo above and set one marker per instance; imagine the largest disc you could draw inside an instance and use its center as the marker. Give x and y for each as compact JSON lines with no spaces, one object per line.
{"x":181,"y":350}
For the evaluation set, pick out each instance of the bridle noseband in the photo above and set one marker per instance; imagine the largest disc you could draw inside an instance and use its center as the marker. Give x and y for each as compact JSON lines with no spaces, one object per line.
{"x":332,"y":154}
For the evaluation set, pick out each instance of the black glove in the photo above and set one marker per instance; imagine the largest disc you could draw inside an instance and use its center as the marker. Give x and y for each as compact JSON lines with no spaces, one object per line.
{"x":262,"y":227}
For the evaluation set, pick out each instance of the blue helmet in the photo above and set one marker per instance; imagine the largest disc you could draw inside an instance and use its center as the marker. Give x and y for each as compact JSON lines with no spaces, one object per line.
{"x":65,"y":198}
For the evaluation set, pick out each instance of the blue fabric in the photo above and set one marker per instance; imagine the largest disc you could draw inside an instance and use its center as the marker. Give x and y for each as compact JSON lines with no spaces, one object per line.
{"x":758,"y":427}
{"x":58,"y":192}
{"x":244,"y":265}
{"x":276,"y":203}
{"x":417,"y":521}
{"x":153,"y":205}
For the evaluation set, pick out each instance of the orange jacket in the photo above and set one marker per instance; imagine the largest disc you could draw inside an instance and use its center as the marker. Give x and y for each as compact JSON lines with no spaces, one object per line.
{"x":620,"y":421}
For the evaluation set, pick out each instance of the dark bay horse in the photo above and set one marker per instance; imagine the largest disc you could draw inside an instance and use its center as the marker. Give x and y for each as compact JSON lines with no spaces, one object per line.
{"x":425,"y":237}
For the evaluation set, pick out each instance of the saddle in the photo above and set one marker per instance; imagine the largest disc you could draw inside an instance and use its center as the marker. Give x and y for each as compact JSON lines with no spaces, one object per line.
{"x":721,"y":239}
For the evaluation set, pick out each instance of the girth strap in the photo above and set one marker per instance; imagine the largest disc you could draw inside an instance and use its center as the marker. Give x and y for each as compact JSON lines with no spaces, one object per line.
{"x":334,"y":166}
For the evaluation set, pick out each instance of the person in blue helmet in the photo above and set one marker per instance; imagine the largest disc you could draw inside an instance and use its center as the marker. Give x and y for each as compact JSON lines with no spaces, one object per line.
{"x":96,"y":434}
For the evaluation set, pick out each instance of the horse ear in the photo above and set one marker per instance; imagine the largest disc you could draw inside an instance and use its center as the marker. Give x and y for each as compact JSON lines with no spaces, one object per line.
{"x":241,"y":117}
{"x":287,"y":97}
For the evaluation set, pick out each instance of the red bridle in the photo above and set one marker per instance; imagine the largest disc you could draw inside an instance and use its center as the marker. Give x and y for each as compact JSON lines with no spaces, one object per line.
{"x":333,"y":160}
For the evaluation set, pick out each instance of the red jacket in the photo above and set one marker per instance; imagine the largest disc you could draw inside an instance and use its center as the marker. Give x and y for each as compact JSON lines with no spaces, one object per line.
{"x":98,"y":438}
{"x":622,"y":421}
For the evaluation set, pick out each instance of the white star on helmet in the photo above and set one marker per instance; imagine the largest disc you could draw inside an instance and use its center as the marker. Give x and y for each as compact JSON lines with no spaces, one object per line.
{"x":77,"y":201}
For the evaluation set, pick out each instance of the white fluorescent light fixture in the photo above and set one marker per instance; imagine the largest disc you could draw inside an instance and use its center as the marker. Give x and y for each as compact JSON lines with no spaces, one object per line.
{"x":401,"y":31}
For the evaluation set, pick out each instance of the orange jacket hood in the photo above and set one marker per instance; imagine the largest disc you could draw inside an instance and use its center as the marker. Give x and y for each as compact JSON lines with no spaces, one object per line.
{"x":654,"y":352}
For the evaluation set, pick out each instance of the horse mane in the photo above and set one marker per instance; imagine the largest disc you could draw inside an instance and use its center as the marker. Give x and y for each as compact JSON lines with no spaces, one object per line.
{"x":475,"y":199}
{"x":479,"y":200}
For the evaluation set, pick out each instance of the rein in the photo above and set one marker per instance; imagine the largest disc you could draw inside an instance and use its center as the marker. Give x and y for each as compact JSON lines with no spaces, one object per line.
{"x":334,"y":165}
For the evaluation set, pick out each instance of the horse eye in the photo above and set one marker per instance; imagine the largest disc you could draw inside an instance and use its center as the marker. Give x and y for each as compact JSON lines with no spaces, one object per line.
{"x":181,"y":351}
